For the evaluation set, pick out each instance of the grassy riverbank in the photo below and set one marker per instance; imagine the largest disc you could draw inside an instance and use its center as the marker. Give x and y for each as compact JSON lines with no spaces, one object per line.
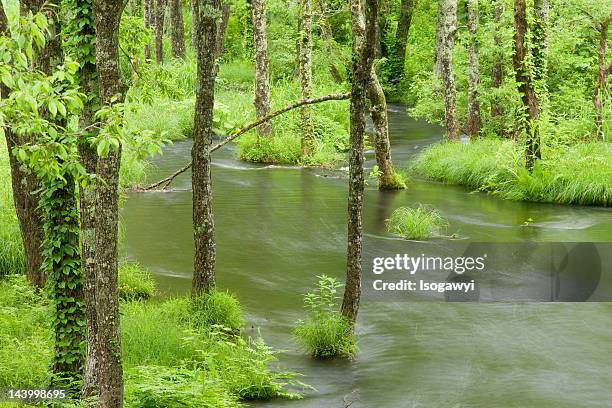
{"x":576,"y":174}
{"x":174,"y":353}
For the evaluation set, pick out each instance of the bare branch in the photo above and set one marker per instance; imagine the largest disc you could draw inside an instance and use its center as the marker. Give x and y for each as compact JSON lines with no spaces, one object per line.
{"x":164,"y":183}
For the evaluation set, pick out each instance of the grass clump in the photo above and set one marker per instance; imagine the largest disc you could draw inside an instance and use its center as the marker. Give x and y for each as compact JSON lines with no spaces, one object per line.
{"x":325,"y":332}
{"x":568,"y":174}
{"x":217,"y":309}
{"x":135,"y":283}
{"x":416,"y":223}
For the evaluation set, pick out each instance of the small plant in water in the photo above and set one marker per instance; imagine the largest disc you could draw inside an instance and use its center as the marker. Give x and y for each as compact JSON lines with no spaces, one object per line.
{"x":416,"y":223}
{"x":325,"y":332}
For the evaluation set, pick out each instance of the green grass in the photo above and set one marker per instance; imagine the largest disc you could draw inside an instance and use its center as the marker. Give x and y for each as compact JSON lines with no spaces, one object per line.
{"x":169,"y":358}
{"x":325,"y":332}
{"x":416,"y":223}
{"x":576,"y":174}
{"x":217,"y":309}
{"x":135,"y":283}
{"x":11,"y":248}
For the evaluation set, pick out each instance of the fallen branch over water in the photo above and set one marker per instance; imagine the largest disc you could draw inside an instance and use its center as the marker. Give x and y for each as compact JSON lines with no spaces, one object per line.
{"x":164,"y":183}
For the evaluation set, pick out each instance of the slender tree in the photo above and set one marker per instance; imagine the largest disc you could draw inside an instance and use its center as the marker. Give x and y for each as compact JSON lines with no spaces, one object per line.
{"x":387,"y":178}
{"x":177,"y":28}
{"x":208,"y":12}
{"x":601,"y":90}
{"x":25,"y":185}
{"x":149,"y":22}
{"x":497,"y":74}
{"x":305,"y":70}
{"x":474,"y":121}
{"x":262,"y":62}
{"x":327,"y":38}
{"x":529,"y":113}
{"x":109,"y":390}
{"x":159,"y":14}
{"x":364,"y":35}
{"x":447,"y":28}
{"x":401,"y":37}
{"x":193,"y":5}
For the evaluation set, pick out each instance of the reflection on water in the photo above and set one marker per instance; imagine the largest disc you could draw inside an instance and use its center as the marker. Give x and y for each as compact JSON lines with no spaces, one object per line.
{"x":279,"y":227}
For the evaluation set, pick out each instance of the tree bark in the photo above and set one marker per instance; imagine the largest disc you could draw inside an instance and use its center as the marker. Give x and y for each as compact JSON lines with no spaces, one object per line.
{"x":178,"y":28}
{"x":262,"y":84}
{"x":437,"y":68}
{"x":203,"y":221}
{"x":448,"y":20}
{"x":305,"y":69}
{"x":528,"y":114}
{"x":24,"y":183}
{"x":149,"y":22}
{"x":107,"y":15}
{"x":387,"y":179}
{"x":474,"y":121}
{"x":401,"y":37}
{"x":364,"y":35}
{"x":193,"y":5}
{"x":497,"y":74}
{"x":159,"y":14}
{"x":600,"y":90}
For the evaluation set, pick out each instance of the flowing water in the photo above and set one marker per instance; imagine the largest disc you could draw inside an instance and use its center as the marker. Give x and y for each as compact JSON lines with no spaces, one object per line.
{"x":277,"y":228}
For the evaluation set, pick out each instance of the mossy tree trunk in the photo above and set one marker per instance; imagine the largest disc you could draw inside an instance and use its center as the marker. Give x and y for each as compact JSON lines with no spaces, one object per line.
{"x":203,"y":223}
{"x":107,"y":15}
{"x":601,"y":90}
{"x":159,"y":13}
{"x":305,"y":71}
{"x":262,"y":63}
{"x":387,"y":179}
{"x":24,"y":183}
{"x":447,"y":29}
{"x":364,"y":35}
{"x":529,"y":113}
{"x":193,"y":5}
{"x":401,"y":38}
{"x":497,"y":73}
{"x":177,"y":28}
{"x":474,"y":121}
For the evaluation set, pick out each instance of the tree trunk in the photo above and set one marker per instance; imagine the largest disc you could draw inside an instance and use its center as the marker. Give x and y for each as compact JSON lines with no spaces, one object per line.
{"x":107,"y":15}
{"x":203,"y":222}
{"x":159,"y":13}
{"x":193,"y":5}
{"x":600,"y":91}
{"x":262,"y":84}
{"x":497,"y":110}
{"x":474,"y":122}
{"x":305,"y":69}
{"x":437,"y":68}
{"x":364,"y":35}
{"x":178,"y":28}
{"x":401,"y":37}
{"x":448,"y":20}
{"x":24,"y":184}
{"x":149,"y":21}
{"x":327,"y":40}
{"x":528,"y":114}
{"x":387,"y":179}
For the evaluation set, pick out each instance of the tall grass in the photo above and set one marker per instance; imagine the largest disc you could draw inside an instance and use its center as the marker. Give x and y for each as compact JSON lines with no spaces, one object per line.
{"x":11,"y":247}
{"x":416,"y":223}
{"x":576,"y":174}
{"x":135,"y":283}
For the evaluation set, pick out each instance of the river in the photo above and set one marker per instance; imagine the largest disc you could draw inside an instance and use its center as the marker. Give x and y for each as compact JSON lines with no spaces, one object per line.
{"x":277,"y":228}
